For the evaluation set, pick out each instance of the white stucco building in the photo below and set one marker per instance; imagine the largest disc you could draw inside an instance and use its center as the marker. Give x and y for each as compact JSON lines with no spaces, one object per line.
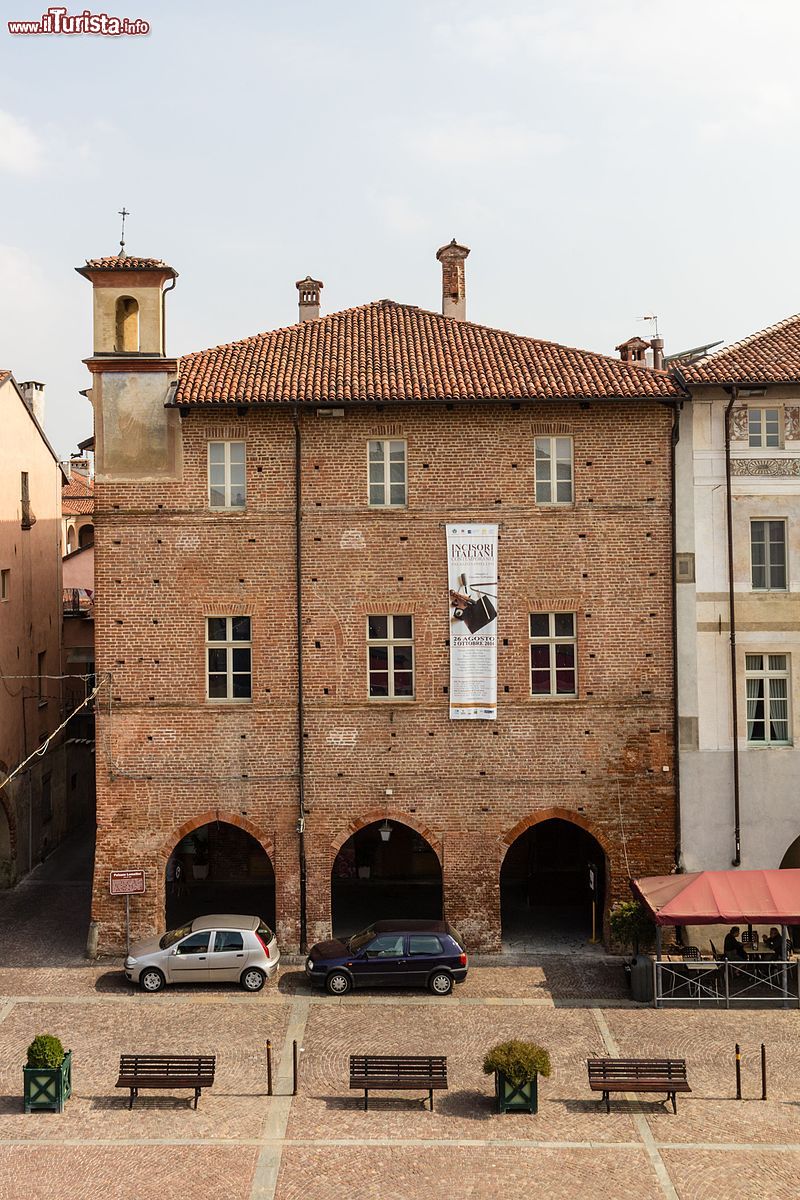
{"x":738,"y":565}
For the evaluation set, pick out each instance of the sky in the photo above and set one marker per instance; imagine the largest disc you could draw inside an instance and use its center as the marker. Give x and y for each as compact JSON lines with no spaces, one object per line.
{"x":604,"y":159}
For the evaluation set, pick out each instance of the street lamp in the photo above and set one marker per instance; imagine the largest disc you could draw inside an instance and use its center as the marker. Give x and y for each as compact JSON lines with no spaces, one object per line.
{"x":385,"y":830}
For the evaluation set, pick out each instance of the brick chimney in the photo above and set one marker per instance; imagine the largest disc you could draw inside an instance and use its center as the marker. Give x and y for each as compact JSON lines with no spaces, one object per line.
{"x":657,"y":346}
{"x":33,"y":395}
{"x":454,"y":288}
{"x":634,"y":350}
{"x":308,"y":297}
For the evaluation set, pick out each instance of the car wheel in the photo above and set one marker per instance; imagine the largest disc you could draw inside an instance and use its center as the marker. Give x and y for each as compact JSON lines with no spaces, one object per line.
{"x":338,"y":984}
{"x":151,"y":980}
{"x":253,"y":980}
{"x":441,"y":983}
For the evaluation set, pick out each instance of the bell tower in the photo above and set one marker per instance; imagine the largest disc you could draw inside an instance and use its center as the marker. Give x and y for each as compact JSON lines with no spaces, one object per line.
{"x":136,"y":436}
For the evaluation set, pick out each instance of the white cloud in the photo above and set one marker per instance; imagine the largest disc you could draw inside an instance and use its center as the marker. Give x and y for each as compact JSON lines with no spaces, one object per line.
{"x":25,"y":288}
{"x":469,"y":141}
{"x":21,"y":151}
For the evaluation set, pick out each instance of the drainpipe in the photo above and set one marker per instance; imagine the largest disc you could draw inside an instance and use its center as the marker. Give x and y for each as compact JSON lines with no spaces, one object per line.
{"x":168,"y":288}
{"x":676,"y":433}
{"x":737,"y":833}
{"x":298,"y":577}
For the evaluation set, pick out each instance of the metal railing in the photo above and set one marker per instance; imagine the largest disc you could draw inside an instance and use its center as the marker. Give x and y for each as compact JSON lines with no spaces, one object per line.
{"x":706,"y":981}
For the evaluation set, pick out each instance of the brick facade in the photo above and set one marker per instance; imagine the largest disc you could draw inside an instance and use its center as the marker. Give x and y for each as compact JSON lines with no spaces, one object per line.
{"x":169,"y":761}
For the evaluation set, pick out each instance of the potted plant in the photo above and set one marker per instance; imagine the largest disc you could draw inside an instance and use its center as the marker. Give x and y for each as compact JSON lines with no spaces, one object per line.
{"x":516,"y":1067}
{"x":632,"y":926}
{"x":47,"y":1076}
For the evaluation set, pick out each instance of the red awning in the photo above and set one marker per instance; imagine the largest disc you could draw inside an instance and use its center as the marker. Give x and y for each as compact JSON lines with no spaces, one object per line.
{"x":717,"y":897}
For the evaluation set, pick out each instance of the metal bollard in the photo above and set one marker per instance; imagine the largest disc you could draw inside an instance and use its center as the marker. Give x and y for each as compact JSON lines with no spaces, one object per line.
{"x":269,"y":1067}
{"x":738,"y":1072}
{"x":294,"y":1068}
{"x":763,"y":1071}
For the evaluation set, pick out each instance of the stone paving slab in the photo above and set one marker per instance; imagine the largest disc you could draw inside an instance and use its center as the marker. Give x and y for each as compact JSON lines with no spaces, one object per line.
{"x":419,"y":1173}
{"x":97,"y":1034}
{"x":707,"y":1040}
{"x":568,"y":1112}
{"x":751,"y":1175}
{"x":125,"y":1172}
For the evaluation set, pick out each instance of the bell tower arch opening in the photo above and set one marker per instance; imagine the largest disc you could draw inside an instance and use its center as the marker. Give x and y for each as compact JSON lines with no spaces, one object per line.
{"x":127,"y":325}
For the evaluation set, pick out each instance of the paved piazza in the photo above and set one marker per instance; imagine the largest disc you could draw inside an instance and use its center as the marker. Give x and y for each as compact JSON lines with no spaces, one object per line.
{"x":241,"y":1144}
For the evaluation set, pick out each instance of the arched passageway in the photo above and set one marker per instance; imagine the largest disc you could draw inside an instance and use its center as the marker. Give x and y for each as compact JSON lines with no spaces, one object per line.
{"x":385,"y":871}
{"x":546,"y":888}
{"x":219,"y":868}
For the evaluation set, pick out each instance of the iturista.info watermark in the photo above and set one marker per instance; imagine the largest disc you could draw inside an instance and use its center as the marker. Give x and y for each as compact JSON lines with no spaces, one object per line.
{"x":60,"y":21}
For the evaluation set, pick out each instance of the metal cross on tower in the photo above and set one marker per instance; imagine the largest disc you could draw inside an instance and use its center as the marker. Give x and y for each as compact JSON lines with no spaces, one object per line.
{"x":123,"y":212}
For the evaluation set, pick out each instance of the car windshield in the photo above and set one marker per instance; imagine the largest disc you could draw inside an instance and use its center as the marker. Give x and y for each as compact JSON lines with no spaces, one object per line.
{"x":174,"y":935}
{"x":358,"y":940}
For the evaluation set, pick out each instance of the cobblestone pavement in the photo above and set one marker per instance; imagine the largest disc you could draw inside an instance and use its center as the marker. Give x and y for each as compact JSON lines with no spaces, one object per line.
{"x":242,"y":1145}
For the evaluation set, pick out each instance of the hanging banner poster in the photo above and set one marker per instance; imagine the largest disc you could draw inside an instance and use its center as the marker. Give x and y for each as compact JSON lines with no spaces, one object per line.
{"x":472,"y":581}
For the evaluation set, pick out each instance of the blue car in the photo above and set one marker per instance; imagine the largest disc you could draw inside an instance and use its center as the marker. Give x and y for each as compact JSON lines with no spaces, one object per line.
{"x":391,"y":954}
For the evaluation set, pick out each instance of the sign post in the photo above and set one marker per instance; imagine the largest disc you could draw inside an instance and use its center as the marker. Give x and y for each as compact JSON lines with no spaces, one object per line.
{"x":127,"y":884}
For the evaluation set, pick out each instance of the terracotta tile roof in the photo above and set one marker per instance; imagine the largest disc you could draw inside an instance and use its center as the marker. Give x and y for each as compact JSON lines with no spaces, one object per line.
{"x":124,"y":262}
{"x":77,"y":496}
{"x":385,"y":351}
{"x":77,"y":507}
{"x":4,"y":377}
{"x":770,"y":356}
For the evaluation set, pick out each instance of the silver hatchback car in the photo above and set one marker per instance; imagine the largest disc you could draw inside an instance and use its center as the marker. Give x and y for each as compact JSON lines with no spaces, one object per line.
{"x":216,"y":949}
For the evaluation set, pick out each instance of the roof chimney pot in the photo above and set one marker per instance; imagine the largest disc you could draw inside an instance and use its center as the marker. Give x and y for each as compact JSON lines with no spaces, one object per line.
{"x":33,"y":395}
{"x":454,"y":288}
{"x":308,"y":290}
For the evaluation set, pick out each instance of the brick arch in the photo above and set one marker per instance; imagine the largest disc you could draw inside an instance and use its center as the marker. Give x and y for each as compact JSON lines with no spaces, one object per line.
{"x":208,"y":818}
{"x":382,"y":814}
{"x":550,"y":814}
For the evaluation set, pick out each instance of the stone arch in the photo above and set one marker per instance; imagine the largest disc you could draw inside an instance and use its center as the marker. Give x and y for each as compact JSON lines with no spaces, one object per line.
{"x":71,"y":544}
{"x":549,"y":814}
{"x":391,"y":814}
{"x":127,"y":325}
{"x":218,"y":814}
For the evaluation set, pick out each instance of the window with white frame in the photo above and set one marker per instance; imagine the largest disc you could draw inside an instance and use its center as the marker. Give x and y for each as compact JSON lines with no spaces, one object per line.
{"x":768,"y":555}
{"x":390,"y":651}
{"x":387,"y":473}
{"x":764,"y":426}
{"x":229,"y":658}
{"x":767,"y":681}
{"x":553,"y":470}
{"x":226,"y":475}
{"x":553,"y":654}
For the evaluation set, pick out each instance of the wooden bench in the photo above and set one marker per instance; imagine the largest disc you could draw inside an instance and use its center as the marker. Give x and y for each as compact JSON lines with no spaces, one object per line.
{"x":166,"y":1071}
{"x":608,"y":1075}
{"x":397,"y":1072}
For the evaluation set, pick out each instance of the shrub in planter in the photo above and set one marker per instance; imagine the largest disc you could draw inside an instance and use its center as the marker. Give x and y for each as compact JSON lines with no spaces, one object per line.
{"x":516,"y":1067}
{"x":631,"y":925}
{"x":47,"y":1075}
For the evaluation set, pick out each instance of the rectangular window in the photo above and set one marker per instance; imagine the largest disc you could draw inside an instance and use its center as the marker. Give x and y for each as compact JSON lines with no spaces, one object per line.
{"x":40,"y":673}
{"x":228,"y":658}
{"x":767,"y":681}
{"x":764,"y":426}
{"x":768,"y":555}
{"x":390,"y":649}
{"x":226,"y":475}
{"x":553,"y":470}
{"x":553,"y":654}
{"x":387,"y":474}
{"x":5,"y":583}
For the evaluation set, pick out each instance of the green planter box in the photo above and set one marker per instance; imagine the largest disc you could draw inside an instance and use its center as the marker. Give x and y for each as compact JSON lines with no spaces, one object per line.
{"x":512,"y":1097}
{"x":47,"y":1088}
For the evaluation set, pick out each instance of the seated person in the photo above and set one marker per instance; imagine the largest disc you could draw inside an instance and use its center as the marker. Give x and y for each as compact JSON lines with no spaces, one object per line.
{"x":773,"y":942}
{"x":733,"y":948}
